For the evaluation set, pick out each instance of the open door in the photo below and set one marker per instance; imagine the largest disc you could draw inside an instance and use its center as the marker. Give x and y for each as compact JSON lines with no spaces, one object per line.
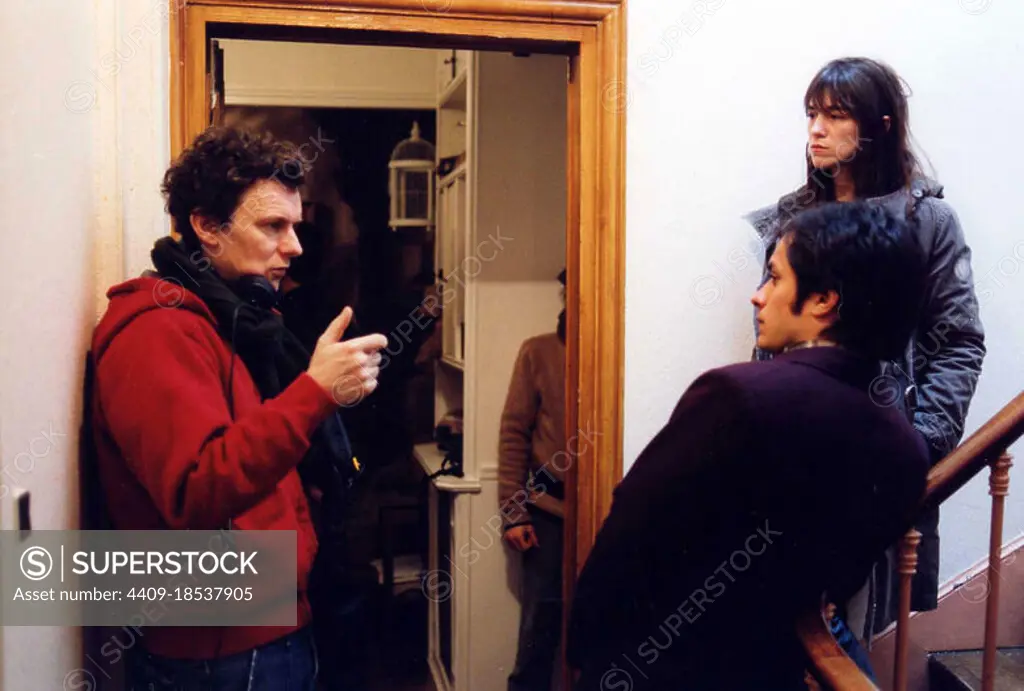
{"x":215,"y":83}
{"x":593,"y":33}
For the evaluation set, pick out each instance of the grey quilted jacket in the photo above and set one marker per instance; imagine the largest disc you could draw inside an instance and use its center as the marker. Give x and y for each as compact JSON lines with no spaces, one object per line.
{"x":935,"y":381}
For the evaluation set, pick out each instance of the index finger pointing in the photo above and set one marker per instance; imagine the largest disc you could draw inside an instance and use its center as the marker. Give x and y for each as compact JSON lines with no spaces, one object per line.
{"x":369,"y":342}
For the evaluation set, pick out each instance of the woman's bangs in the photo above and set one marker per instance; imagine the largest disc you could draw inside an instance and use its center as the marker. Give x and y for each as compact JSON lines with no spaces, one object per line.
{"x":829,"y":91}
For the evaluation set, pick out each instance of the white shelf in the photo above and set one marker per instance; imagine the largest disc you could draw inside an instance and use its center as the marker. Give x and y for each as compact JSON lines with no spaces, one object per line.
{"x":411,"y":223}
{"x":449,"y":361}
{"x":458,"y":172}
{"x":408,"y":573}
{"x":431,"y":458}
{"x":454,"y":95}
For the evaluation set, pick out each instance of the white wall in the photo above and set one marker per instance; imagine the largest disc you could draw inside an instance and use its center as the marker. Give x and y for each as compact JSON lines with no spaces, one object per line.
{"x":82,"y":131}
{"x":277,"y":73}
{"x":714,"y":130}
{"x":716,"y":127}
{"x":48,"y":159}
{"x":521,"y":199}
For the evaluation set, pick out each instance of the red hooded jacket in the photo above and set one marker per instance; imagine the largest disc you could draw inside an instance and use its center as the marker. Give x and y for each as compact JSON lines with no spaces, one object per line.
{"x":170,"y":456}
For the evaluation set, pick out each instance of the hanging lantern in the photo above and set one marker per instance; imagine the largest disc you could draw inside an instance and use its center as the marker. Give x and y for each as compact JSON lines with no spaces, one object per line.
{"x":411,"y":182}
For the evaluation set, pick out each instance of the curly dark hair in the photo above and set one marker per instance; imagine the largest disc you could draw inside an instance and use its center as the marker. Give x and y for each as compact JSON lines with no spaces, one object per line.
{"x":210,"y":177}
{"x":873,"y":260}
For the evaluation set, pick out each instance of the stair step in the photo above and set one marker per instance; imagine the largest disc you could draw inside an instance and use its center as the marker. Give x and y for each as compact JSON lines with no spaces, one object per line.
{"x":961,"y":670}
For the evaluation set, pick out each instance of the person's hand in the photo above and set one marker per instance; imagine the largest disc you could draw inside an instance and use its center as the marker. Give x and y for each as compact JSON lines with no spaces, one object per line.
{"x":346,"y":370}
{"x":522,"y":537}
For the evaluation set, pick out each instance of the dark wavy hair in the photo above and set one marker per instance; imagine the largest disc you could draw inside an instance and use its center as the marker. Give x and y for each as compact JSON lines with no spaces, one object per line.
{"x":867,"y":90}
{"x":210,"y":177}
{"x":872,"y":260}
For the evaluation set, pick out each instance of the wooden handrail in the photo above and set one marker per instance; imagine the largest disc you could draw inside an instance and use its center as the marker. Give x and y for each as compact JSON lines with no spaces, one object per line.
{"x":831,"y":663}
{"x":981,"y":449}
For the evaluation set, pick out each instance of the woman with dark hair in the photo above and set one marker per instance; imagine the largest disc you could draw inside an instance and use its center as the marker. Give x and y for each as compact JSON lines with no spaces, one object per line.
{"x":858,"y":148}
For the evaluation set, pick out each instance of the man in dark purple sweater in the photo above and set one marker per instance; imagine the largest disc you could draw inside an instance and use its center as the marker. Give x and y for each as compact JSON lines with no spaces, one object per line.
{"x":772,"y":484}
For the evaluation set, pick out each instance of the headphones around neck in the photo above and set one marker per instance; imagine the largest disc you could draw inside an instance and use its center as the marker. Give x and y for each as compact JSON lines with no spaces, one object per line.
{"x":257,"y":291}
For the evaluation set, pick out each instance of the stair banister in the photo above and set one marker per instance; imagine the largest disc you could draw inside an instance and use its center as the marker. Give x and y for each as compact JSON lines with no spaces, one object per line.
{"x":986,"y":447}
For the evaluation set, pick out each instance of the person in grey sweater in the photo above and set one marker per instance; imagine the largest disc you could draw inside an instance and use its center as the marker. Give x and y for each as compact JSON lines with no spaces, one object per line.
{"x":858,"y":149}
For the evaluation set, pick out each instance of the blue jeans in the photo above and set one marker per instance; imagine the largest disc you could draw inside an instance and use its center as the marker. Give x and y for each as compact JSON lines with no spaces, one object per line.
{"x":540,"y":622}
{"x":848,"y":642}
{"x":287,"y":664}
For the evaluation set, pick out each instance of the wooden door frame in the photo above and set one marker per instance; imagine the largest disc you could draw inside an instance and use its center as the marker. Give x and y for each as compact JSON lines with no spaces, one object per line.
{"x":593,"y":30}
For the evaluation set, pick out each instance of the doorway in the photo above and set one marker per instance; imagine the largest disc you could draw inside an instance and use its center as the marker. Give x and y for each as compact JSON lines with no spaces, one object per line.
{"x":590,"y":35}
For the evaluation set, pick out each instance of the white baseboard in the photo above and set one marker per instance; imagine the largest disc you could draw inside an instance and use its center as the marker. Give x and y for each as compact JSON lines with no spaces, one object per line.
{"x":978,"y":567}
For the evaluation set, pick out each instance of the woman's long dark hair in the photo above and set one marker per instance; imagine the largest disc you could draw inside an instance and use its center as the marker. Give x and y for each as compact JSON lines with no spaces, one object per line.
{"x":883,"y":162}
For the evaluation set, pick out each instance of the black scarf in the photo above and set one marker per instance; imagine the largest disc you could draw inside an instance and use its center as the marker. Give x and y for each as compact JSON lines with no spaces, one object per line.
{"x":273,"y":356}
{"x":271,"y":353}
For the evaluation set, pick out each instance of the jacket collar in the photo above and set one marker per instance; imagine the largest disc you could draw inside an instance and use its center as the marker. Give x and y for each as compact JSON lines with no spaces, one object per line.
{"x":766,"y":220}
{"x":836,"y":361}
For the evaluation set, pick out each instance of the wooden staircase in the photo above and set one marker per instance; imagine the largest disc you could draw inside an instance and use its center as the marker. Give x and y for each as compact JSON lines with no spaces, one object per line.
{"x":989,"y":669}
{"x":962,"y":670}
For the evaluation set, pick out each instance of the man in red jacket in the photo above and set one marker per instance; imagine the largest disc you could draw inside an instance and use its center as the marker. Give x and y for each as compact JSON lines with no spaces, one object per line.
{"x":204,"y":405}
